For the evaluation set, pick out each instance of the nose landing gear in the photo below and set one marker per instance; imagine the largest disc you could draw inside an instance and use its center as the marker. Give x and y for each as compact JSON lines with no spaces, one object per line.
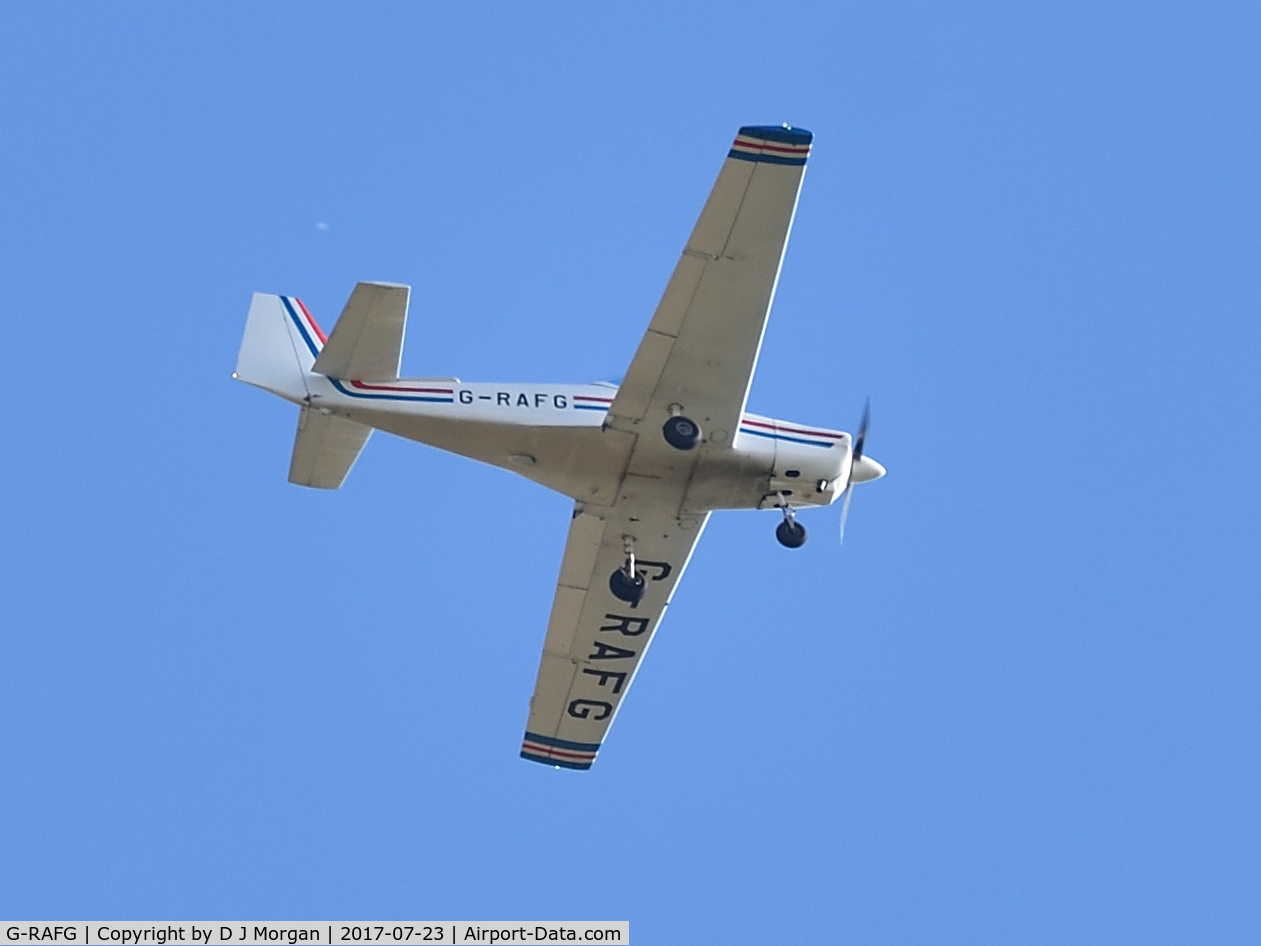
{"x":790,"y":533}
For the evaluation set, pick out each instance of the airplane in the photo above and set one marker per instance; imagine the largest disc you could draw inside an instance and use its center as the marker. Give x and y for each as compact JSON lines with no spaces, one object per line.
{"x":645,"y":461}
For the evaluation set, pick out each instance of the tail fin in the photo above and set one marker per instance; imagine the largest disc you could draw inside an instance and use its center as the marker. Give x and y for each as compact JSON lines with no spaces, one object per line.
{"x":280,"y":345}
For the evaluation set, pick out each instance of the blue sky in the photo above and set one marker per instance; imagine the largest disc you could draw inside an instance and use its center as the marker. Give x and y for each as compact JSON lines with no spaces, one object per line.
{"x":1019,"y":706}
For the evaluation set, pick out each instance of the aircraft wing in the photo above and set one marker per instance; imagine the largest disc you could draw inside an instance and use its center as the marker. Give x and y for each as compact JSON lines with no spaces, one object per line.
{"x":702,"y":344}
{"x":595,"y":642}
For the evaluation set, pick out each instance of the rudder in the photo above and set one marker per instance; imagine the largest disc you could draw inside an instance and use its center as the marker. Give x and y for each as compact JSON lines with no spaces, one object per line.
{"x":280,"y":345}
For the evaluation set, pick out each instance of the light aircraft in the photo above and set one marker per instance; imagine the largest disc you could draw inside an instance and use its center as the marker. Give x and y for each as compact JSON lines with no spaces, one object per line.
{"x":645,"y":461}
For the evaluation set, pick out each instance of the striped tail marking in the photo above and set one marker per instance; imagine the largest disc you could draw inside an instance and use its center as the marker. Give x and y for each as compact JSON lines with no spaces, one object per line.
{"x":552,"y":751}
{"x":314,"y":337}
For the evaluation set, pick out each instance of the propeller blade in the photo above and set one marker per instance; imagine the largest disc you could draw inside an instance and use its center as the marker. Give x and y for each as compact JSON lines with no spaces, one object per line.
{"x":849,"y":491}
{"x":862,"y":431}
{"x":859,"y":440}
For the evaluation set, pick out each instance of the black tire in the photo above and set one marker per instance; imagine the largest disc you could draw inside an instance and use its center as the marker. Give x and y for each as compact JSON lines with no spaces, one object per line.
{"x":681,"y":432}
{"x":624,"y":589}
{"x":791,"y":534}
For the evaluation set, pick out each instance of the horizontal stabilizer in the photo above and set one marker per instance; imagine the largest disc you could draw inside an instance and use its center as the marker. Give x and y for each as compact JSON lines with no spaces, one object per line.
{"x":325,"y":449}
{"x":367,"y":342}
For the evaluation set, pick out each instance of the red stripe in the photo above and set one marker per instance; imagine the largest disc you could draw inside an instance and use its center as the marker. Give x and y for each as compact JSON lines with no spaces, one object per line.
{"x":812,"y":433}
{"x":318,"y":331}
{"x":793,"y":430}
{"x":548,"y":750}
{"x":602,"y":400}
{"x":766,"y":146}
{"x":394,"y":387}
{"x":539,"y":747}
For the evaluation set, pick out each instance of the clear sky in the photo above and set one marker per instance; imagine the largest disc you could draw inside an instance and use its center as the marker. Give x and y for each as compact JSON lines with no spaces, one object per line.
{"x":1020,"y":705}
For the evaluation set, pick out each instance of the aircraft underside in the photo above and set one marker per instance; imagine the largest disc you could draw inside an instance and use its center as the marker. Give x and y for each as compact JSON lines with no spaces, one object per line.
{"x":645,"y":462}
{"x":589,"y":463}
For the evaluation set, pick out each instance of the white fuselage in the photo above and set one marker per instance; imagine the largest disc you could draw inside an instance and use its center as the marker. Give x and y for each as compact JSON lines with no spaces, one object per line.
{"x":554,"y":434}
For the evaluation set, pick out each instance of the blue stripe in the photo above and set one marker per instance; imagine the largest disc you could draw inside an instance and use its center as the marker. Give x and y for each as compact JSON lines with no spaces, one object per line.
{"x":765,"y":158}
{"x":392,"y":397}
{"x":812,"y":443}
{"x":341,"y":387}
{"x":591,"y":407}
{"x":562,"y":743}
{"x":563,"y":763}
{"x":781,"y":134}
{"x":301,"y":327}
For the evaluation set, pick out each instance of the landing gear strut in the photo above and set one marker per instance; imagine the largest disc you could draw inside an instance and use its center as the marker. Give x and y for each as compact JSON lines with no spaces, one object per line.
{"x":626,"y":583}
{"x":790,"y":532}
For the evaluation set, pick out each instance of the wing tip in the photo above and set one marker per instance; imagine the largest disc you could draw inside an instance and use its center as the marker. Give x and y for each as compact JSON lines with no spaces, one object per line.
{"x":772,"y":144}
{"x":782,"y":134}
{"x":555,"y":763}
{"x":548,"y":750}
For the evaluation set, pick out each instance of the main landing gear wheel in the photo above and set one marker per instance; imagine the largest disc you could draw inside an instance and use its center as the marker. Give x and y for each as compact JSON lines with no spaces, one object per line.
{"x":626,"y":589}
{"x":681,"y":432}
{"x":627,"y":584}
{"x":791,"y":534}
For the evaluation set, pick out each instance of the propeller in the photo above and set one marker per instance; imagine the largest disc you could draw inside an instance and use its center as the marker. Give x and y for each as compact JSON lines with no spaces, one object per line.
{"x":859,"y":441}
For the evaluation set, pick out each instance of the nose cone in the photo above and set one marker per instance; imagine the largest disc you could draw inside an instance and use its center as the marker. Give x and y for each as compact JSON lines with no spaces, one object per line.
{"x":866,"y":470}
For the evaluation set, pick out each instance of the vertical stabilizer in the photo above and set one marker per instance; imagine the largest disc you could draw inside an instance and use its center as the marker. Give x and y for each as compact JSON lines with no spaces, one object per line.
{"x":280,"y":345}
